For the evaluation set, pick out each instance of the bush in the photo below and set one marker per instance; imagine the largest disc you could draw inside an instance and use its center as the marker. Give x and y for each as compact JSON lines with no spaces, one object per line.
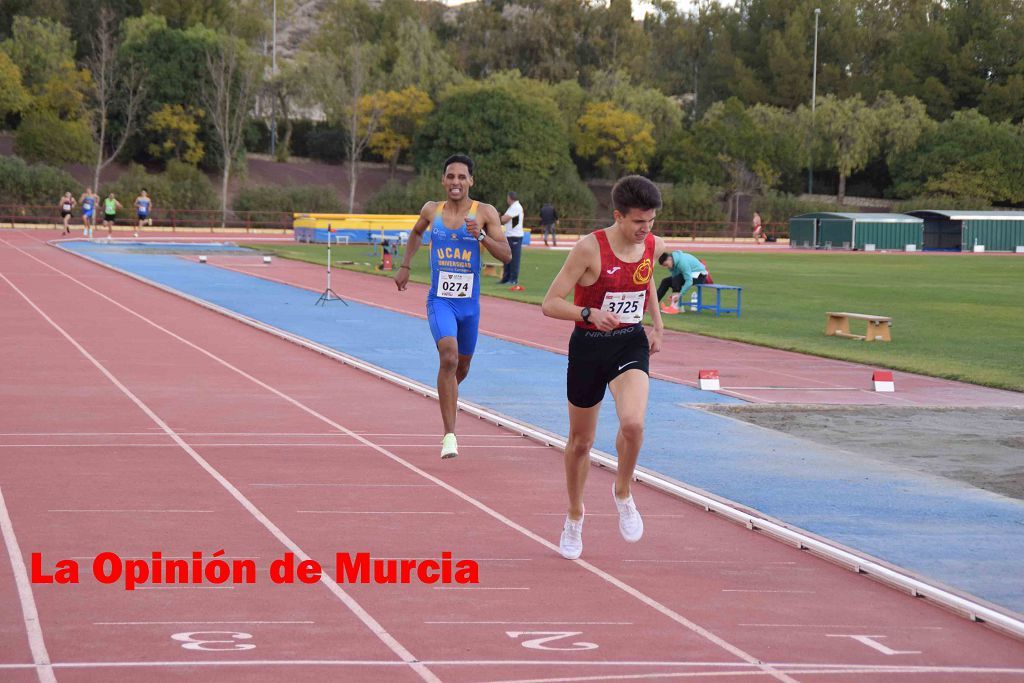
{"x":696,"y":201}
{"x":181,"y":186}
{"x":941,"y":201}
{"x":399,"y":197}
{"x":42,"y":136}
{"x":776,"y":207}
{"x":37,"y":184}
{"x":289,"y":198}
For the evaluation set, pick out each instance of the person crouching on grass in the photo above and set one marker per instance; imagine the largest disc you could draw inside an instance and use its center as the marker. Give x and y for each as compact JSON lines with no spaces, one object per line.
{"x":610,"y":272}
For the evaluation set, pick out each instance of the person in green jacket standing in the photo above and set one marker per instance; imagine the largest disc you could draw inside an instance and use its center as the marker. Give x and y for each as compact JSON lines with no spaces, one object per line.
{"x":685,"y":271}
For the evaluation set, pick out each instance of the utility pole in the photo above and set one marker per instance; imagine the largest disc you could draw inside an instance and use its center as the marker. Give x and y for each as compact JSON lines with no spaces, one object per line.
{"x":814,"y":96}
{"x":273,"y":90}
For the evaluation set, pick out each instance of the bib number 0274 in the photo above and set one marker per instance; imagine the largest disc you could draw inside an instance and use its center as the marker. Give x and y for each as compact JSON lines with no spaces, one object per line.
{"x":454,"y":285}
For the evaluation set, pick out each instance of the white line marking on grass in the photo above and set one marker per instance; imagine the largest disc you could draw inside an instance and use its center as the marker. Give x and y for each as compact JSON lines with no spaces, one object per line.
{"x":28,"y":603}
{"x":614,"y":581}
{"x":285,"y":540}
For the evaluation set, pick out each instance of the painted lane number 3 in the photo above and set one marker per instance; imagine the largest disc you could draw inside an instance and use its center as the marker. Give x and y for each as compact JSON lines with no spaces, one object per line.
{"x":546,"y":637}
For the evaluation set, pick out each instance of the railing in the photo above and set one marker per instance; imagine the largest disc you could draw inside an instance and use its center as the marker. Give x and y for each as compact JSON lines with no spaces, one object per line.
{"x":184,"y":219}
{"x":210,"y":219}
{"x":691,"y":230}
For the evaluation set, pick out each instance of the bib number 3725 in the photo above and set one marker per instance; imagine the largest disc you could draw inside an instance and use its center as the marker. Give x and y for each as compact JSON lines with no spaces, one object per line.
{"x":628,"y":306}
{"x":454,"y":285}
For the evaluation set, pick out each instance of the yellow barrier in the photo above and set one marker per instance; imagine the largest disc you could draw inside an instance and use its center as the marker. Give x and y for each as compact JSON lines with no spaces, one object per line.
{"x":355,"y":221}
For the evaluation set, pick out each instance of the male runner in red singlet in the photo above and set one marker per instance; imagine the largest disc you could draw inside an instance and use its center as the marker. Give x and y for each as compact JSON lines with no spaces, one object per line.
{"x":611,"y":271}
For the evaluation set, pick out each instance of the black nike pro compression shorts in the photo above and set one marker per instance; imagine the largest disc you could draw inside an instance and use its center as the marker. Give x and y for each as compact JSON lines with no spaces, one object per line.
{"x":596,"y":358}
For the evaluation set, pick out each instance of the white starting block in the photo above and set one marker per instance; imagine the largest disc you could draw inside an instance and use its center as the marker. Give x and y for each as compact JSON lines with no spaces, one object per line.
{"x":266,"y":259}
{"x":708,"y":380}
{"x":882,"y":379}
{"x":202,"y":258}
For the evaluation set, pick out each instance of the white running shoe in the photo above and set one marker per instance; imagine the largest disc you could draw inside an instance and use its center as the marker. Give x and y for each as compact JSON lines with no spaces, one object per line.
{"x":449,"y":446}
{"x":631,"y":524}
{"x":571,"y":542}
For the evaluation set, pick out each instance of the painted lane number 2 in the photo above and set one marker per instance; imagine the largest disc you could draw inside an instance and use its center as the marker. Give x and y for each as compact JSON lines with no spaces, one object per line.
{"x":546,"y":637}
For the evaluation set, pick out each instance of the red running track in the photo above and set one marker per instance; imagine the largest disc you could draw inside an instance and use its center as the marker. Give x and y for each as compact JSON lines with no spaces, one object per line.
{"x":134,"y":421}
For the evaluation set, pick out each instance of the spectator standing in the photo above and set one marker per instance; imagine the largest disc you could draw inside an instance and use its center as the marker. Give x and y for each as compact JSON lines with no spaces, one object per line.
{"x":512,"y":221}
{"x":549,"y":220}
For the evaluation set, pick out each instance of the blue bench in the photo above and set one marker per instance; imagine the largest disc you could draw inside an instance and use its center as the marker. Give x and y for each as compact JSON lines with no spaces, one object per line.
{"x":717,"y":306}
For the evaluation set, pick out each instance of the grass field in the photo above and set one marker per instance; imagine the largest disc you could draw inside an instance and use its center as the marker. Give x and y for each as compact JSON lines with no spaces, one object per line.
{"x":954,"y":316}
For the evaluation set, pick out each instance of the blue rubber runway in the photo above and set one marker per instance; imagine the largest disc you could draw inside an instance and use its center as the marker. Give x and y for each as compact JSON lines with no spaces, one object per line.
{"x":965,"y":537}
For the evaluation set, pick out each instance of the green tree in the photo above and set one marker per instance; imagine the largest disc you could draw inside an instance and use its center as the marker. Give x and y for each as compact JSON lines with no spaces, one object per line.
{"x":35,"y":184}
{"x":43,"y":136}
{"x":515,"y":144}
{"x":847,"y":131}
{"x":41,"y":48}
{"x":421,"y":62}
{"x":960,"y":154}
{"x":617,"y":140}
{"x":13,"y":96}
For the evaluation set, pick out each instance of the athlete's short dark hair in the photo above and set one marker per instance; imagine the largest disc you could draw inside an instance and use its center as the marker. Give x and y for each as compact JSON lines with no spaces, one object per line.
{"x":635,"y":192}
{"x":664,"y":257}
{"x":458,"y":159}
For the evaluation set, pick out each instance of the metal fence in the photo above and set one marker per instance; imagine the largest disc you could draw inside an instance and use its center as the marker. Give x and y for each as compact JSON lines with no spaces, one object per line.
{"x":254,"y":221}
{"x":691,"y":230}
{"x":185,"y":219}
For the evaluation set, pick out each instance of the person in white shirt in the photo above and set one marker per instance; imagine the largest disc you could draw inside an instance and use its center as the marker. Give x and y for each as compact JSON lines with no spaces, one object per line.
{"x":513,"y":224}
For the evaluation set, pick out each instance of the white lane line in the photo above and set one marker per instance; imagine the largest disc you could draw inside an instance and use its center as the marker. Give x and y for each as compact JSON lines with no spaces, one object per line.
{"x":184,"y":588}
{"x":154,"y":511}
{"x":794,"y":668}
{"x":168,"y":557}
{"x":158,"y":623}
{"x":371,"y":512}
{"x":614,"y":581}
{"x":755,"y":590}
{"x":860,"y":626}
{"x":28,"y":604}
{"x":87,"y":445}
{"x":285,"y":540}
{"x":536,"y":623}
{"x":481,"y":588}
{"x":345,"y":485}
{"x":708,"y":561}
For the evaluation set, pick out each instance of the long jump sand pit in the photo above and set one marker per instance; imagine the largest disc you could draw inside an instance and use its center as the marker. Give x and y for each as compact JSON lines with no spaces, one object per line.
{"x":982,"y":447}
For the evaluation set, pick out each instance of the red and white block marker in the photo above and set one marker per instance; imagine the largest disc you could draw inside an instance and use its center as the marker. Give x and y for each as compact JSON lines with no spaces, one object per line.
{"x":708,"y":380}
{"x":882,"y":379}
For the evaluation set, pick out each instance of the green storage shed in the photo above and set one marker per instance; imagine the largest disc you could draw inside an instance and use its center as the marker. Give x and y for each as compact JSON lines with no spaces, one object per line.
{"x":854,"y":230}
{"x":968,"y":230}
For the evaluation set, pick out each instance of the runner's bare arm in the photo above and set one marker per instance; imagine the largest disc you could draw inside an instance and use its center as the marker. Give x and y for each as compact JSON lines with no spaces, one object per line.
{"x":496,"y":243}
{"x":415,"y":240}
{"x":573,"y":270}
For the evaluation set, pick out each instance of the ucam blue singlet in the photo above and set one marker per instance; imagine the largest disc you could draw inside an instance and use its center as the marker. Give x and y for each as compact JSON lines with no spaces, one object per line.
{"x":453,"y":304}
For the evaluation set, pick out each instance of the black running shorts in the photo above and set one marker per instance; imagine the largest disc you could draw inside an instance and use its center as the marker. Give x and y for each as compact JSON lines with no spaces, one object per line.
{"x":596,"y":358}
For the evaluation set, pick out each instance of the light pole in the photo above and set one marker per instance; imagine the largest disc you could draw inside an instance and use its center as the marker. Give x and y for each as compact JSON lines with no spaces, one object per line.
{"x":273,"y":90}
{"x":814,"y":96}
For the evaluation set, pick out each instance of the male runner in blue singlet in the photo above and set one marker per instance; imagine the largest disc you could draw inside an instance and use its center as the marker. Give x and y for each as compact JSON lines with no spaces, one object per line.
{"x":458,"y":227}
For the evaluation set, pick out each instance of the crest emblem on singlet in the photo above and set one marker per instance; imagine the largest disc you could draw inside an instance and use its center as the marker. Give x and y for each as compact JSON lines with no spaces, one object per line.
{"x":642,"y":274}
